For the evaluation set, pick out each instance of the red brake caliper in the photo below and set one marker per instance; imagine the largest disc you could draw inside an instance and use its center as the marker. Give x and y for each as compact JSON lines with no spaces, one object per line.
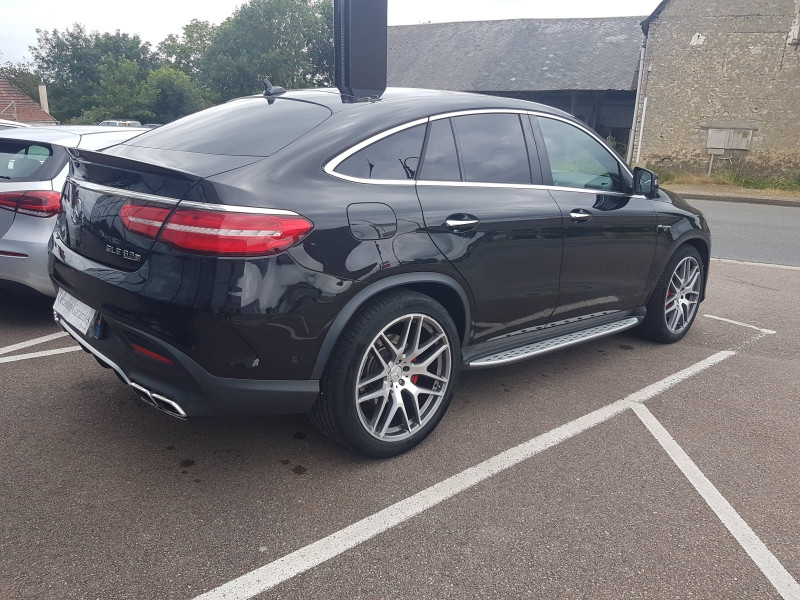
{"x":414,"y":377}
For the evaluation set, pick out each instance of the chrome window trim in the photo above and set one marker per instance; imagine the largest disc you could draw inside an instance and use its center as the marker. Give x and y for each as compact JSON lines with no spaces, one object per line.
{"x":527,"y":186}
{"x":104,"y":189}
{"x":331,"y":165}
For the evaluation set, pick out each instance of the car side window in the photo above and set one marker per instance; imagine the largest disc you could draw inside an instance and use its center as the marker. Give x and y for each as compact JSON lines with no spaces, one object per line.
{"x":393,"y":157}
{"x":441,"y":159}
{"x":577,"y":160}
{"x":493,"y":148}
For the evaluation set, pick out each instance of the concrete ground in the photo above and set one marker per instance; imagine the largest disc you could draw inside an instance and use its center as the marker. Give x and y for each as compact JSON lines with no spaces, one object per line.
{"x":583,"y":496}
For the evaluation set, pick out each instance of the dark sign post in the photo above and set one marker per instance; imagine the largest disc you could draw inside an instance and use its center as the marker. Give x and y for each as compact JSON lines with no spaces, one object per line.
{"x":360,"y":46}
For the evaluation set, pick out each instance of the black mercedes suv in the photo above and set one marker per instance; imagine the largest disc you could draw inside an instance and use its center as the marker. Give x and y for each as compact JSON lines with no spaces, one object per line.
{"x":307,"y":251}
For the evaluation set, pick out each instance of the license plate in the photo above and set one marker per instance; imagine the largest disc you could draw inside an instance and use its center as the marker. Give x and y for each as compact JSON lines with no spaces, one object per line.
{"x":81,"y":316}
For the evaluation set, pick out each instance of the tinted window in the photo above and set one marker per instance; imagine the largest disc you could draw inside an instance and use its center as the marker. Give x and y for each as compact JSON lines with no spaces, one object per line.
{"x":577,"y":160}
{"x":492,"y":148}
{"x":29,"y":161}
{"x":247,"y":127}
{"x":393,"y":157}
{"x":441,"y":160}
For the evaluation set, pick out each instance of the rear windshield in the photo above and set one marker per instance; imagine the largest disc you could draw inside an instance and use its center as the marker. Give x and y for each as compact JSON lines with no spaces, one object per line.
{"x":22,"y":160}
{"x":247,"y":127}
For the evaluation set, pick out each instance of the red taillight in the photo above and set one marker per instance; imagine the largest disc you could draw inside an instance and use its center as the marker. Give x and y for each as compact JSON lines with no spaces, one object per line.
{"x":216,"y":231}
{"x":144,"y":220}
{"x":36,"y":203}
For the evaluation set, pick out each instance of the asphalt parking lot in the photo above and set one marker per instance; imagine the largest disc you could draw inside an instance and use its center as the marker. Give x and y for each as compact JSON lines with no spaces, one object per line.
{"x":616,"y":469}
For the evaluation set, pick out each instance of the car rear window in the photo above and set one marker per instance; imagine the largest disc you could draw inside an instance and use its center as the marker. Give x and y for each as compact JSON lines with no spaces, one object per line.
{"x":246,"y":127}
{"x":23,"y":160}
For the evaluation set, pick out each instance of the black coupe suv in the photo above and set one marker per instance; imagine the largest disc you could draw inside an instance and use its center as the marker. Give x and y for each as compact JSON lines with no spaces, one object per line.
{"x":307,"y":251}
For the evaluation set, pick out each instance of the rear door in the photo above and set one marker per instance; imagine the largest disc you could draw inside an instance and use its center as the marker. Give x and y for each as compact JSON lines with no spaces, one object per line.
{"x":609,"y":233}
{"x":483,"y":212}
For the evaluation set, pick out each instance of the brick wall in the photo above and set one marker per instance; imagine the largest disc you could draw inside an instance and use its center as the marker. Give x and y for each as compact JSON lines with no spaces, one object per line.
{"x":716,"y":64}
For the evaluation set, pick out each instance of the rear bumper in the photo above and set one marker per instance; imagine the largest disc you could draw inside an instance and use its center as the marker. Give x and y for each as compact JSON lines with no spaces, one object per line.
{"x":23,"y":254}
{"x":183,"y":388}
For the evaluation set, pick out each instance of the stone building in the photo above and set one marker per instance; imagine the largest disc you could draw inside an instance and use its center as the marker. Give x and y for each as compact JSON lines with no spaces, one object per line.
{"x":587,"y":67}
{"x":721,"y":87}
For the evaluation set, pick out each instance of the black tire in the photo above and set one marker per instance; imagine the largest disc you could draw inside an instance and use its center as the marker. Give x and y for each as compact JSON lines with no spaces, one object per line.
{"x":399,"y":400}
{"x":674,"y":303}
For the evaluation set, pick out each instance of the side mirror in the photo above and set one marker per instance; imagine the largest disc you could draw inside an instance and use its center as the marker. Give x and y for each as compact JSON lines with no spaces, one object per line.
{"x":645,"y":182}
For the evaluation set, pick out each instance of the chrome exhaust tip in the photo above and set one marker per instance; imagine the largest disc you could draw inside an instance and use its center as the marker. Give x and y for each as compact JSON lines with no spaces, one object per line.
{"x":158,"y":401}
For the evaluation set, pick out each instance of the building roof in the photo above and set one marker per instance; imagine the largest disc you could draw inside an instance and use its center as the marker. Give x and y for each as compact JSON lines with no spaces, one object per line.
{"x":517,"y":55}
{"x":655,"y":14}
{"x":16,"y":106}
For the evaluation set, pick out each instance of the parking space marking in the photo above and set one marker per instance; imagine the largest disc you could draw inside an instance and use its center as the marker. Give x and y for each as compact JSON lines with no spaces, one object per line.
{"x":780,"y":578}
{"x":33,"y":342}
{"x":756,"y":264}
{"x":272,"y":574}
{"x":724,"y":320}
{"x":8,"y":359}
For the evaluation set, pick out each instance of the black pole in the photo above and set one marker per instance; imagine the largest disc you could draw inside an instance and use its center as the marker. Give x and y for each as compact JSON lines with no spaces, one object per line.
{"x":360,"y":33}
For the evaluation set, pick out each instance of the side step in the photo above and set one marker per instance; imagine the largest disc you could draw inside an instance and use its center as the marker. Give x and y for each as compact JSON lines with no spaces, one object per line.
{"x":511,"y":355}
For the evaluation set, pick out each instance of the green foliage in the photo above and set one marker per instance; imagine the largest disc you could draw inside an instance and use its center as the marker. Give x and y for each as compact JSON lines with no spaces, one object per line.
{"x":186,"y":52}
{"x":74,"y":64}
{"x":789,"y":182}
{"x":172,"y":94}
{"x":288,"y":41}
{"x":96,"y":76}
{"x":23,"y":76}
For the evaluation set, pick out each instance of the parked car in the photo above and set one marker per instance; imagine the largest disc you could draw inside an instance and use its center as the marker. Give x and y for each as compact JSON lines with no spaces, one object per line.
{"x":304,"y":251}
{"x":33,"y":168}
{"x":120,"y":123}
{"x":6,"y":124}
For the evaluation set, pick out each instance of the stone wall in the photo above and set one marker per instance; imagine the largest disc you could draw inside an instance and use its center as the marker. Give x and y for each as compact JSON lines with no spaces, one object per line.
{"x":717,"y":64}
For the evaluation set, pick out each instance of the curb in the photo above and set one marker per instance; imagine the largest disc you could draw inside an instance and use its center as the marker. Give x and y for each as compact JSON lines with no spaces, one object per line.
{"x":769,"y":201}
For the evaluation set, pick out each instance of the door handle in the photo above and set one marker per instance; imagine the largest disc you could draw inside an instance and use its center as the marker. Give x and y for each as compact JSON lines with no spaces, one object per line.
{"x":580,"y":215}
{"x":461,"y":223}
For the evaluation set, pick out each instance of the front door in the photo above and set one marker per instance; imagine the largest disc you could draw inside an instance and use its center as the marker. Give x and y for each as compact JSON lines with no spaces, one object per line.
{"x":609,"y":233}
{"x":502,"y":234}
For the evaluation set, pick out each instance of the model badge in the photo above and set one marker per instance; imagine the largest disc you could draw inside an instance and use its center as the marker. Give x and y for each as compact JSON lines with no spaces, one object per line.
{"x":126,"y":254}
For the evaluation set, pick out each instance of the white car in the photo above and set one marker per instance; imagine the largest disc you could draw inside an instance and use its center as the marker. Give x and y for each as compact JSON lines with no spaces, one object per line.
{"x":6,"y":124}
{"x":33,"y":167}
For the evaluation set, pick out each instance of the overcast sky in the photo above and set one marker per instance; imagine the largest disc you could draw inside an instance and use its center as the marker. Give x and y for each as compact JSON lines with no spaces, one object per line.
{"x":153,"y":20}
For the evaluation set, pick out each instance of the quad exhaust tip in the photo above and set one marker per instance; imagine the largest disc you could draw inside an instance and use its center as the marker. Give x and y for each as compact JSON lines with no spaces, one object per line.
{"x":160,"y":402}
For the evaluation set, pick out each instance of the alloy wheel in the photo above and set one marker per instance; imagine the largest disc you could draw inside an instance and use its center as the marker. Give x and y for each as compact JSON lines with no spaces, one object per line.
{"x":403,"y":377}
{"x":683,"y":295}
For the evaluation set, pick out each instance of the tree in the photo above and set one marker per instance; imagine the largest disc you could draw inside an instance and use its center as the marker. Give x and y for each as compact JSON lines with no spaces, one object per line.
{"x":121,"y":92}
{"x":71,"y":62}
{"x":172,"y":94}
{"x":23,"y":76}
{"x":186,"y":52}
{"x":289,"y":41}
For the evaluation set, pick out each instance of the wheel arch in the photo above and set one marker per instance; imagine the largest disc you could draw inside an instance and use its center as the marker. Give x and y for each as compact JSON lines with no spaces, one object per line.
{"x":698,"y":243}
{"x":701,"y":245}
{"x":442,"y":288}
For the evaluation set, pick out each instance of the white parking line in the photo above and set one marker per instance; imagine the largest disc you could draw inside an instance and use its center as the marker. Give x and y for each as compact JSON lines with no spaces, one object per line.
{"x":755,"y":264}
{"x":278,"y":571}
{"x":8,"y":359}
{"x":784,"y":583}
{"x":724,"y":320}
{"x":33,"y":342}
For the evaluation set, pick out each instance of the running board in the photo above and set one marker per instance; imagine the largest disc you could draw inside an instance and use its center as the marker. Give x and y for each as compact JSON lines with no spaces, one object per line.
{"x":550,"y":345}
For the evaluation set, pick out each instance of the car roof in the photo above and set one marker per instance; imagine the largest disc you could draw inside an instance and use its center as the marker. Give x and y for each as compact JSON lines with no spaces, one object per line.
{"x":407,"y":97}
{"x":73,"y":135}
{"x":6,"y":123}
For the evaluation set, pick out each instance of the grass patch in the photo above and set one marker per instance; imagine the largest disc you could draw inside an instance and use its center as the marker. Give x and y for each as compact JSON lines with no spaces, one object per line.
{"x":789,"y":183}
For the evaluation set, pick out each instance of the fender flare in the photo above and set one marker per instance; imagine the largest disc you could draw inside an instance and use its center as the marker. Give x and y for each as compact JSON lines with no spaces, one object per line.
{"x":362,"y":297}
